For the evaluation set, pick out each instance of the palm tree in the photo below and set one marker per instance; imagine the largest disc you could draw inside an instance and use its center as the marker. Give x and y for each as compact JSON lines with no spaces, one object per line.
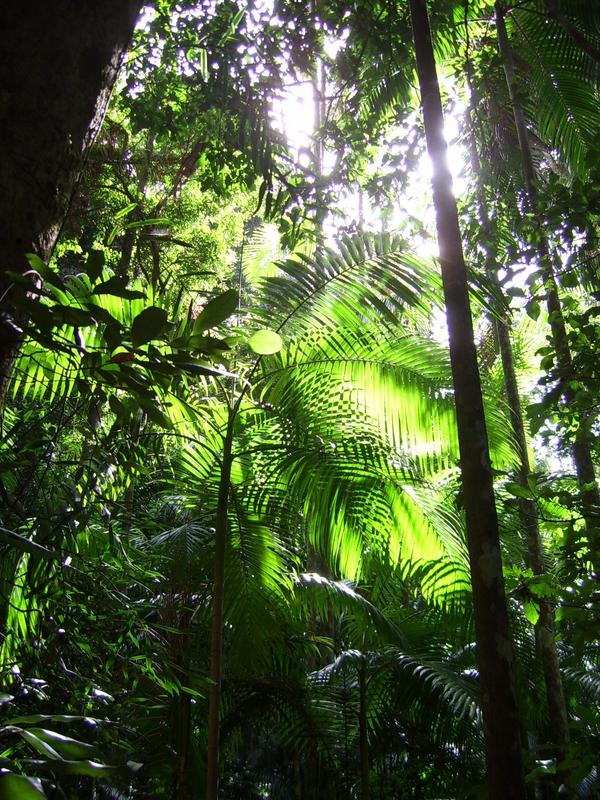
{"x":281,"y":458}
{"x":503,"y":749}
{"x":581,"y":450}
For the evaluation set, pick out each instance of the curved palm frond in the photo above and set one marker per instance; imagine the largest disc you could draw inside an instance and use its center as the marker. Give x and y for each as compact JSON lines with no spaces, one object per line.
{"x":563,"y":85}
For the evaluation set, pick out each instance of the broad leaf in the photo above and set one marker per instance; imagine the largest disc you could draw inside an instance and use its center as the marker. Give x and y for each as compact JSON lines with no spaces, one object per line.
{"x":94,"y":264}
{"x":265,"y":342}
{"x":18,"y":787}
{"x":65,"y":746}
{"x":216,"y":310}
{"x":118,"y":287}
{"x":148,"y":325}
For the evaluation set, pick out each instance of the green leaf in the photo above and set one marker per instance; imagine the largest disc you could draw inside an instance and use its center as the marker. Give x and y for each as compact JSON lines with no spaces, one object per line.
{"x":36,"y":263}
{"x":112,"y":335}
{"x":118,"y":287}
{"x":265,"y":342}
{"x":34,"y":719}
{"x":533,"y":309}
{"x":216,"y":310}
{"x":145,"y":223}
{"x":71,"y":315}
{"x":518,"y":491}
{"x":148,"y":325}
{"x":124,"y":211}
{"x":39,"y":745}
{"x":155,"y":414}
{"x":18,"y":787}
{"x":532,"y":611}
{"x":65,"y":746}
{"x":206,"y":344}
{"x":94,"y":264}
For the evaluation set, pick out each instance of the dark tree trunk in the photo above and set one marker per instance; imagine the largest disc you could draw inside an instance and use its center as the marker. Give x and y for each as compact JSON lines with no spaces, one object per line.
{"x":58,"y":64}
{"x":580,"y":451}
{"x":216,"y":642}
{"x":494,"y":646}
{"x":362,"y":729}
{"x":528,"y":512}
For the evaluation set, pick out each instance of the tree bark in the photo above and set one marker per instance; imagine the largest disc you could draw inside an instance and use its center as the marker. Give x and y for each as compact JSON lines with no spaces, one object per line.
{"x":58,"y":65}
{"x":216,"y":642}
{"x":528,"y":512}
{"x":580,"y":450}
{"x":494,"y":646}
{"x":362,"y":726}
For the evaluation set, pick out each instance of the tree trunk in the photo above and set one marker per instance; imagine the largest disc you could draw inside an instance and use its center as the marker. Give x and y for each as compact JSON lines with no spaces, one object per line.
{"x":362,"y":729}
{"x":216,"y":642}
{"x":580,"y":450}
{"x":528,"y":513}
{"x":494,"y":646}
{"x":58,"y":65}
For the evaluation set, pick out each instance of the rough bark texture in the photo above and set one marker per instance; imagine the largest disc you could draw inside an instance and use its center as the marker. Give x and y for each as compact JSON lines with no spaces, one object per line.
{"x":580,"y":451}
{"x":494,"y":646}
{"x":58,"y":64}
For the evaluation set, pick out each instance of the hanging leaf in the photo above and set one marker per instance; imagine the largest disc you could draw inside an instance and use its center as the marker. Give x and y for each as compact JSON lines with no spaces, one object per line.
{"x":148,"y":325}
{"x":124,"y":211}
{"x":18,"y":787}
{"x":146,"y":223}
{"x":532,"y":612}
{"x":216,"y":310}
{"x":94,"y":264}
{"x":265,"y":342}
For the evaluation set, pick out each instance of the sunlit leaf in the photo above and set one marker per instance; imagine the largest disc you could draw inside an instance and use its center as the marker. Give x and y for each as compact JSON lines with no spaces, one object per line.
{"x":265,"y":342}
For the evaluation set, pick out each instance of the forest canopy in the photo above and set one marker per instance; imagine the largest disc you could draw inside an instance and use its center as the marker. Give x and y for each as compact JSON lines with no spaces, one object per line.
{"x":299,"y":385}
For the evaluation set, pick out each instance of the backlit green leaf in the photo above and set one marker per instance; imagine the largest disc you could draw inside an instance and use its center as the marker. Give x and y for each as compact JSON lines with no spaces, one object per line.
{"x":265,"y":342}
{"x":531,"y":611}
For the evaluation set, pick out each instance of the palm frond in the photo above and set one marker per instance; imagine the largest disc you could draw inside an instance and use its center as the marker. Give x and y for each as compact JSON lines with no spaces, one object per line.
{"x":563,"y":86}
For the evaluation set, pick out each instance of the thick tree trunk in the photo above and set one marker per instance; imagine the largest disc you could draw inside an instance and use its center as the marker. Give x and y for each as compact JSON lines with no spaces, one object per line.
{"x":494,"y":646}
{"x":58,"y":64}
{"x":580,"y":451}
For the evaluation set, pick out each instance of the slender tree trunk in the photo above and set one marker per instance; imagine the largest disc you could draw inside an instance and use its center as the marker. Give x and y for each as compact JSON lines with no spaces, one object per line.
{"x":362,"y":730}
{"x":58,"y":66}
{"x":528,"y":513}
{"x":494,"y":646}
{"x":216,"y":642}
{"x":580,"y":451}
